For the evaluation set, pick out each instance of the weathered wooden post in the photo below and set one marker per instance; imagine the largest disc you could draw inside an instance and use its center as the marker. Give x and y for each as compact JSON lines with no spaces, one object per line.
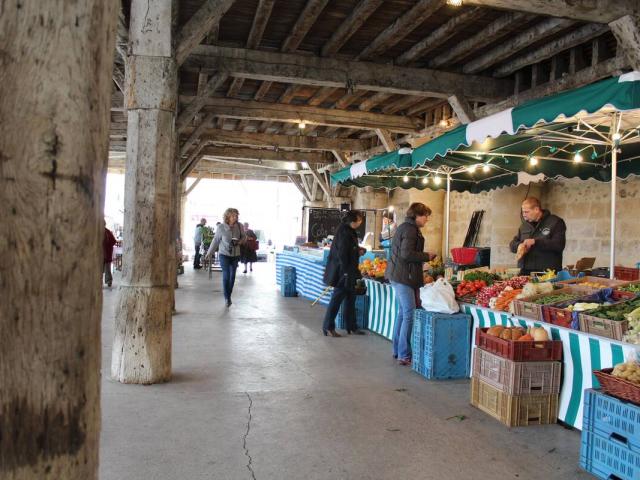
{"x":142,"y":343}
{"x":55,"y":77}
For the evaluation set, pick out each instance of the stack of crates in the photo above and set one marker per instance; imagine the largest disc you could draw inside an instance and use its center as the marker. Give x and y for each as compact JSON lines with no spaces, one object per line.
{"x":517,"y":386}
{"x":440,"y":344}
{"x":362,"y":314}
{"x":610,"y":446}
{"x":288,"y":281}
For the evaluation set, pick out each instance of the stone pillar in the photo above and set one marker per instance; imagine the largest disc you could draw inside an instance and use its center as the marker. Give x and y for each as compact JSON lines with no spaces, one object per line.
{"x":142,"y":343}
{"x":56,"y":65}
{"x":627,"y":32}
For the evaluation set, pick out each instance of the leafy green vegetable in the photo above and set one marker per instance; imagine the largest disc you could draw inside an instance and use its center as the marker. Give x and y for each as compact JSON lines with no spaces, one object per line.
{"x":489,"y":278}
{"x":556,"y":298}
{"x":616,"y":312}
{"x":633,"y":288}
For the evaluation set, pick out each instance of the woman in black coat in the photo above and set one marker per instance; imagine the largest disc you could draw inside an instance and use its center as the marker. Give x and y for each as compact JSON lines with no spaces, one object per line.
{"x":342,"y":272}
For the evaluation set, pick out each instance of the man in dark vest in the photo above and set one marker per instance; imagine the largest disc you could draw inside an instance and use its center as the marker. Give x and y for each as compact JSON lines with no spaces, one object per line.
{"x":540,"y":240}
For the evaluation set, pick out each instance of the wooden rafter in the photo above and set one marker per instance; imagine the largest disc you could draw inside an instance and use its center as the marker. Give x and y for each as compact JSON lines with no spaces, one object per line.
{"x":349,"y":26}
{"x":386,"y":139}
{"x":461,"y":107}
{"x":196,"y":133}
{"x":226,"y":151}
{"x":194,"y":106}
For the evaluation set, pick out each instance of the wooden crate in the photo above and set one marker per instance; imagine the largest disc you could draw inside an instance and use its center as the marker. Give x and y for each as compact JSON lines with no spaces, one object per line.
{"x":524,"y":307}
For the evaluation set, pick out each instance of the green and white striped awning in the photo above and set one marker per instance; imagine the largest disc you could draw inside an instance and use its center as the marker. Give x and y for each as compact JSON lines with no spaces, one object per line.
{"x":541,"y":127}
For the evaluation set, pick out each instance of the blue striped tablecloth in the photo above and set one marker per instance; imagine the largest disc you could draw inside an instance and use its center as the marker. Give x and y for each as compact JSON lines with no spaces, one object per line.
{"x":309,"y":272}
{"x":383,"y":308}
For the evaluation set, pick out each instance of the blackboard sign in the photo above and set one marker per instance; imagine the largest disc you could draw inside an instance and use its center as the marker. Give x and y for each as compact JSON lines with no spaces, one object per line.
{"x":325,"y":221}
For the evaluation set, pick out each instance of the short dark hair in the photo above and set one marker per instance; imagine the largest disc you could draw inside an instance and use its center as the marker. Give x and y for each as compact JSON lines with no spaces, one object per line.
{"x":418,"y":210}
{"x":532,"y":202}
{"x":352,"y":216}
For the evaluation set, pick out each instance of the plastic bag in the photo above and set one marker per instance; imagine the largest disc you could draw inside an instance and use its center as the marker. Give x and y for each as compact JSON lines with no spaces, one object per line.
{"x":439,"y":297}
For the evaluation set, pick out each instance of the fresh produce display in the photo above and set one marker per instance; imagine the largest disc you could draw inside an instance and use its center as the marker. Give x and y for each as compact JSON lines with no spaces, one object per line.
{"x":505,"y":299}
{"x":434,"y":269}
{"x":553,"y":298}
{"x":616,"y":312}
{"x":633,"y":288}
{"x":633,"y":334}
{"x":531,"y":289}
{"x":486,"y":277}
{"x":485,"y":295}
{"x":469,"y":287}
{"x":373,"y":268}
{"x":532,"y":334}
{"x":629,"y":371}
{"x":593,"y":284}
{"x":583,"y":306}
{"x":548,"y":275}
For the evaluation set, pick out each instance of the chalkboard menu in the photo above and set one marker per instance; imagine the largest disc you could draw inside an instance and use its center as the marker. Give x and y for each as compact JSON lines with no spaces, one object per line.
{"x":325,"y":221}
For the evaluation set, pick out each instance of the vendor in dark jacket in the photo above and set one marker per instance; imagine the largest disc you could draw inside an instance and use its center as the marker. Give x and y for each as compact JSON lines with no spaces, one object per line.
{"x":404,"y":271}
{"x":342,"y":272}
{"x":541,"y":239}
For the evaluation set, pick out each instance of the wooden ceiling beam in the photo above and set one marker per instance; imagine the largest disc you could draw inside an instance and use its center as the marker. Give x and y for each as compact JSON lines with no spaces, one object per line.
{"x":401,"y":27}
{"x":232,"y":108}
{"x":197,"y":133}
{"x":196,"y":104}
{"x":385,"y":138}
{"x":496,"y":29}
{"x":521,"y":41}
{"x":602,"y":11}
{"x":400,"y":104}
{"x":198,"y":26}
{"x":438,"y":37}
{"x":349,"y":99}
{"x":627,"y":33}
{"x":266,"y":154}
{"x":320,"y":96}
{"x":293,"y":142}
{"x":349,"y":26}
{"x":462,"y":109}
{"x":307,"y":18}
{"x":330,"y":72}
{"x":575,"y":38}
{"x":374,"y":100}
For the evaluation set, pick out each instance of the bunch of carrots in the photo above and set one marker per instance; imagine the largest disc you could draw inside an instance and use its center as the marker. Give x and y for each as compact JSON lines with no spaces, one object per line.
{"x":505,"y":298}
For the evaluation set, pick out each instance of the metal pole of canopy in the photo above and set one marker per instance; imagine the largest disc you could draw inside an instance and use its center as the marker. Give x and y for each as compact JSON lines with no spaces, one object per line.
{"x":448,"y":213}
{"x":615,"y":124}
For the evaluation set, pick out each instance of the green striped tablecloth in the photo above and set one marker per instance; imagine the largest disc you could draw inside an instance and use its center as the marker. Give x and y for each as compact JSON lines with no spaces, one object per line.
{"x":383,"y":308}
{"x":582,"y":353}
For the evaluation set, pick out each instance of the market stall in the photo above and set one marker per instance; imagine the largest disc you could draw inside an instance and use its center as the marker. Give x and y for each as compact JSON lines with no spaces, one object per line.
{"x":309,"y":264}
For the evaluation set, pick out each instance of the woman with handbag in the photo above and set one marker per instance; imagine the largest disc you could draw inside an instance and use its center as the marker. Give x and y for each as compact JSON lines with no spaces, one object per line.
{"x":404,"y":271}
{"x":342,"y":274}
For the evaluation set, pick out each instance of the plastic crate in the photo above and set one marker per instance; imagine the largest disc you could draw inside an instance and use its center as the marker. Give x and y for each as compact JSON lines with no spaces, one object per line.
{"x":559,"y":315}
{"x":483,"y":257}
{"x":464,"y":255}
{"x":604,"y":327}
{"x":517,"y":378}
{"x":626,"y":273}
{"x":442,"y":344}
{"x":524,"y":307}
{"x":288,"y":281}
{"x":362,"y":314}
{"x":604,"y":282}
{"x":609,"y":458}
{"x":541,"y":351}
{"x":514,"y":410}
{"x":609,"y":416}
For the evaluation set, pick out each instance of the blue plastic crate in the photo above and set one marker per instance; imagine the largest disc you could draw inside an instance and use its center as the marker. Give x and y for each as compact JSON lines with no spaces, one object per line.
{"x":606,"y":416}
{"x":417,"y":346}
{"x":288,"y":281}
{"x":362,"y":314}
{"x":609,"y":458}
{"x":444,"y":347}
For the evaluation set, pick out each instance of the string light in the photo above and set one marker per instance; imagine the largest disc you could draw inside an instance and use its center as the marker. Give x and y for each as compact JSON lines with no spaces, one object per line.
{"x":454,"y":3}
{"x":533,"y":161}
{"x":616,"y":137}
{"x":425,"y":180}
{"x":405,"y":179}
{"x":302,"y":125}
{"x":472,"y":168}
{"x":577,"y":158}
{"x":444,"y":123}
{"x":437,"y":180}
{"x":486,"y":168}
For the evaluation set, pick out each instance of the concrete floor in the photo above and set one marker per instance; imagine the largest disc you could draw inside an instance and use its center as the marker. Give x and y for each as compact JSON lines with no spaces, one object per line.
{"x":259,"y":393}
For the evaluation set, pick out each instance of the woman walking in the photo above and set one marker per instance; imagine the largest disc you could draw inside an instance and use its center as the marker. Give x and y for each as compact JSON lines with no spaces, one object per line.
{"x":248,"y":249}
{"x":341,"y":273}
{"x":229,"y":235}
{"x":404,"y":271}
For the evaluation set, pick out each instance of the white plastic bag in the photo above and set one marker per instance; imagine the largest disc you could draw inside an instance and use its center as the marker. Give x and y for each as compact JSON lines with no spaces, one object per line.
{"x":439,"y":297}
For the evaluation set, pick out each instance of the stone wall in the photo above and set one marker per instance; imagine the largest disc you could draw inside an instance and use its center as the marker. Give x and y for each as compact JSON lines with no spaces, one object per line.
{"x":462,"y":207}
{"x":585,"y":207}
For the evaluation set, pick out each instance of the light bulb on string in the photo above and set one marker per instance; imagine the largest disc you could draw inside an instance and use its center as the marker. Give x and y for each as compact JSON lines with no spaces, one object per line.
{"x":405,"y":179}
{"x":616,"y":137}
{"x":302,"y":125}
{"x":437,"y":180}
{"x":577,"y":158}
{"x":425,"y":180}
{"x":486,"y":168}
{"x":454,"y":3}
{"x":472,"y":168}
{"x":533,"y":161}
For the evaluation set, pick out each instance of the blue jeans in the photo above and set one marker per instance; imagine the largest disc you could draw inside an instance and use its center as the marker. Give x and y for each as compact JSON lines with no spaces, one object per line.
{"x":406,"y":297}
{"x":229,"y":266}
{"x":346,"y":297}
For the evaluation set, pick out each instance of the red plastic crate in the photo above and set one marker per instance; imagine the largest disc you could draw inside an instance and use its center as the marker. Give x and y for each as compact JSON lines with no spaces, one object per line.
{"x":548,"y":351}
{"x":626,"y":273}
{"x":563,"y":318}
{"x":464,"y":255}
